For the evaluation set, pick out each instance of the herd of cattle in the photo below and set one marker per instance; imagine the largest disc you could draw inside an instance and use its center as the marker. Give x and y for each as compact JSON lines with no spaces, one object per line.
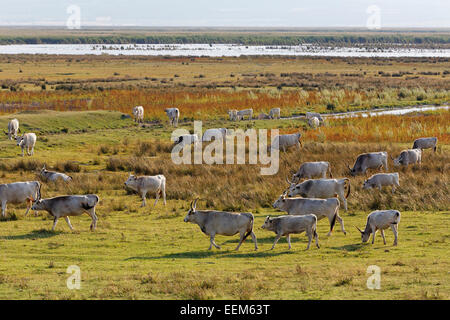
{"x":319,"y":196}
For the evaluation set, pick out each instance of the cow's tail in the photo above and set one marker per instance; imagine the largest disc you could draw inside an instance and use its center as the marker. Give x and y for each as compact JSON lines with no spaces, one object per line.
{"x":349,"y":187}
{"x":333,"y":221}
{"x":39,"y":191}
{"x":252,"y":219}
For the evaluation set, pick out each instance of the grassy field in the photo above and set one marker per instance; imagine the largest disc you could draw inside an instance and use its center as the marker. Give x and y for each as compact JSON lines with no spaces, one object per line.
{"x":139,"y":253}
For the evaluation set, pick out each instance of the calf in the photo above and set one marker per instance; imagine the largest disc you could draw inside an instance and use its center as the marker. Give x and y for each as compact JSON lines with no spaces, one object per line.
{"x":425,"y":143}
{"x":65,"y":206}
{"x":144,"y":184}
{"x":321,"y":208}
{"x":313,"y":122}
{"x":53,"y":175}
{"x":310,"y":115}
{"x":28,"y":141}
{"x":13,"y":129}
{"x":382,"y":180}
{"x":243,"y":113}
{"x":406,"y":157}
{"x":224,"y":223}
{"x":380,"y":220}
{"x":19,"y":192}
{"x":322,"y":189}
{"x":310,"y":170}
{"x":285,"y":225}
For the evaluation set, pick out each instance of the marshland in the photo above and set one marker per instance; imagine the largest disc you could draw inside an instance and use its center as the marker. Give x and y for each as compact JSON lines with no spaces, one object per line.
{"x":76,"y":105}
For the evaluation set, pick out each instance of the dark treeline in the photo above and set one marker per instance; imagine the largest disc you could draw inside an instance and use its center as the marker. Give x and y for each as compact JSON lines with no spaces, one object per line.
{"x":347,"y":39}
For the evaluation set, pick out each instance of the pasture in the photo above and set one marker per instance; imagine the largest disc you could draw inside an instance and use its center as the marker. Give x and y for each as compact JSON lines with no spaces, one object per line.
{"x":145,"y":253}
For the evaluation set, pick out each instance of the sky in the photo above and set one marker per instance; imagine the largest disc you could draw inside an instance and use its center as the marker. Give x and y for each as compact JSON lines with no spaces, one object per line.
{"x":230,"y":13}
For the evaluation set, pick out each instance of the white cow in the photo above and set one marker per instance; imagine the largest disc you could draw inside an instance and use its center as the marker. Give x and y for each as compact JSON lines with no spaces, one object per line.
{"x":28,"y":141}
{"x":138,"y":113}
{"x":425,"y":143}
{"x":380,"y":220}
{"x":310,"y":115}
{"x":19,"y":192}
{"x":144,"y":184}
{"x":218,"y":134}
{"x":53,"y":175}
{"x":245,"y":113}
{"x":321,"y":188}
{"x":309,"y":170}
{"x":406,"y":157}
{"x":321,"y":208}
{"x":65,"y":206}
{"x":275,"y":113}
{"x":13,"y":129}
{"x":285,"y":225}
{"x":380,"y":180}
{"x":313,"y":122}
{"x":233,"y":114}
{"x":174,"y":115}
{"x":287,"y":140}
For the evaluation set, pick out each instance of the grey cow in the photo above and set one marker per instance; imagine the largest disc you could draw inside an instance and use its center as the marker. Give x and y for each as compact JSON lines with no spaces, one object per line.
{"x":380,"y":220}
{"x":65,"y":206}
{"x":372,"y":160}
{"x":213,"y":222}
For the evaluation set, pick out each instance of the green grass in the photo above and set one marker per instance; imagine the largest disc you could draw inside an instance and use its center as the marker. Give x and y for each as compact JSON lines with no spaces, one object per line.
{"x":145,"y":253}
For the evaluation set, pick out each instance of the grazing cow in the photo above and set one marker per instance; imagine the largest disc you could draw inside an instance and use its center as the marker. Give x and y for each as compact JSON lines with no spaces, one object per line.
{"x":213,"y":222}
{"x":321,"y":208}
{"x":309,"y":170}
{"x":382,"y":180}
{"x":373,"y":160}
{"x":218,"y":134}
{"x":321,"y":189}
{"x":174,"y":115}
{"x":65,"y":206}
{"x":425,"y":143}
{"x":285,"y":225}
{"x":19,"y":192}
{"x":275,"y":113}
{"x":380,"y":220}
{"x":263,"y":116}
{"x":310,"y":115}
{"x":313,"y":122}
{"x":13,"y":129}
{"x":186,"y":139}
{"x":144,"y":184}
{"x":28,"y":141}
{"x":138,"y":113}
{"x":53,"y":175}
{"x":287,"y":140}
{"x":233,"y":114}
{"x":406,"y":157}
{"x":243,"y":113}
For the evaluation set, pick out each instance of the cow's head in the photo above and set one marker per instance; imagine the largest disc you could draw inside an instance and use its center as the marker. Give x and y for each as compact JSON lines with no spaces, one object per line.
{"x":397,"y":161}
{"x":278,"y":204}
{"x":352,"y":171}
{"x":19,"y":140}
{"x":190,"y":217}
{"x":364,"y":235}
{"x":37,"y":205}
{"x":131,"y":182}
{"x":43,"y":170}
{"x":367,"y":185}
{"x":268,"y":224}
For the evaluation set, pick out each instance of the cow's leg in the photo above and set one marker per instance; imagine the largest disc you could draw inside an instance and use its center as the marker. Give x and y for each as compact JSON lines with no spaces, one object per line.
{"x":55,"y":221}
{"x":68,"y":223}
{"x":212,"y":243}
{"x":241,"y":240}
{"x":330,"y":220}
{"x":288,"y":237}
{"x":164,"y":195}
{"x":310,"y":235}
{"x":29,"y":204}
{"x":254,"y":240}
{"x":276,"y":240}
{"x":374,"y":230}
{"x":316,"y":236}
{"x":344,"y":201}
{"x":4,"y":208}
{"x":22,"y":151}
{"x":157,"y":197}
{"x":143,"y":195}
{"x":382,"y":235}
{"x":395,"y":231}
{"x":91,"y":212}
{"x":393,"y":188}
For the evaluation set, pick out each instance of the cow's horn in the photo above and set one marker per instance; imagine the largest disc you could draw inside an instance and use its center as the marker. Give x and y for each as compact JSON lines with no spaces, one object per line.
{"x":195,"y":204}
{"x":359,"y":229}
{"x":287,"y":180}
